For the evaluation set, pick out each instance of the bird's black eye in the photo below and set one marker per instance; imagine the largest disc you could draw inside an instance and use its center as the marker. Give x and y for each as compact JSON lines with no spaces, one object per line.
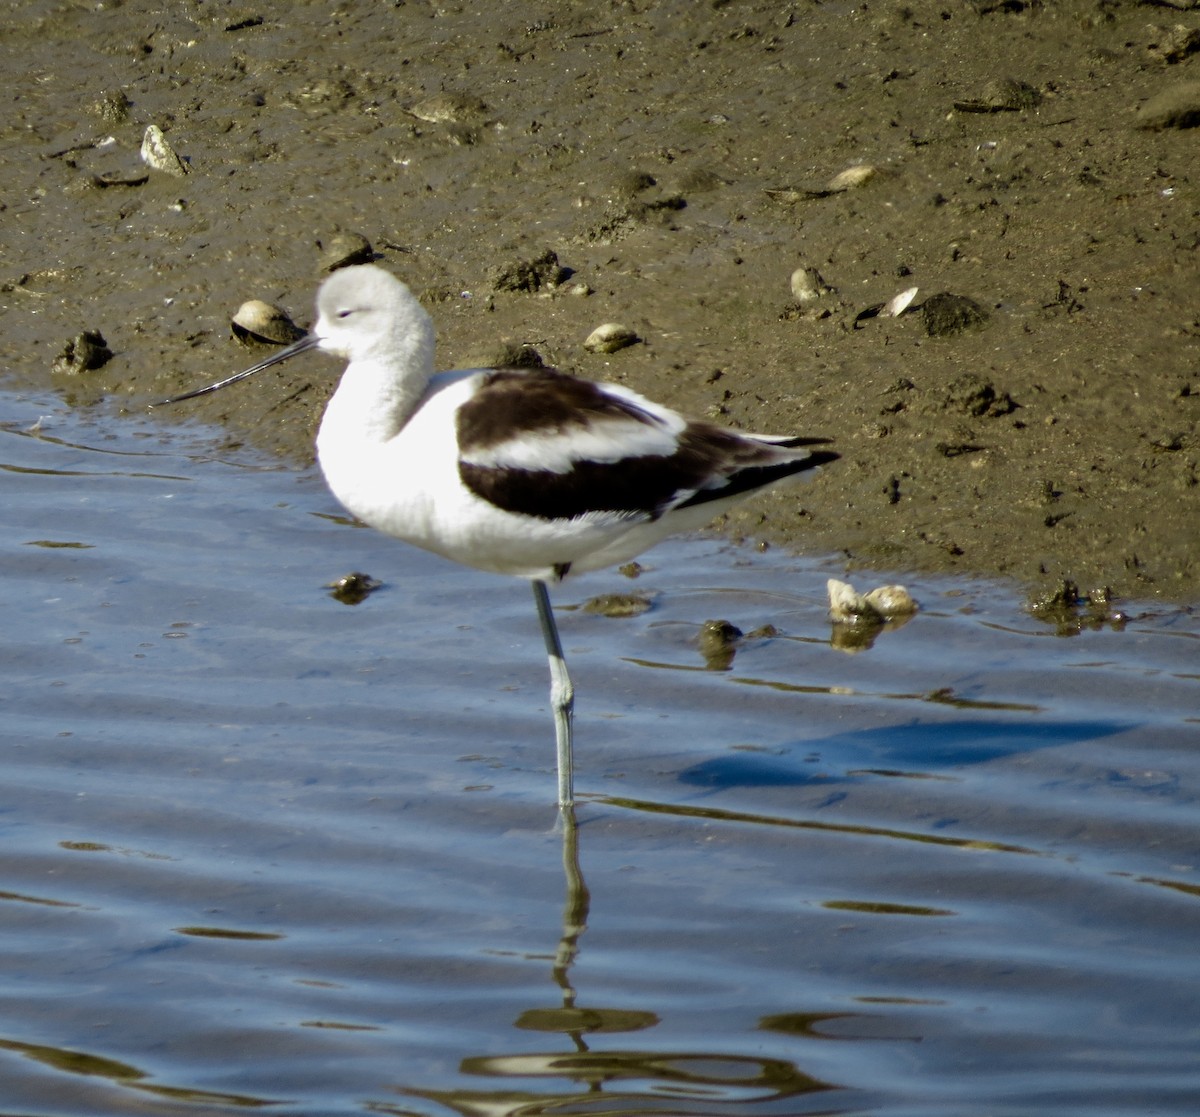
{"x":344,"y":313}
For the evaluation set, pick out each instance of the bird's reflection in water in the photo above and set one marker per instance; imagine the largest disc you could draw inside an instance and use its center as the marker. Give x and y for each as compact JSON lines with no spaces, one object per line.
{"x":646,"y":1079}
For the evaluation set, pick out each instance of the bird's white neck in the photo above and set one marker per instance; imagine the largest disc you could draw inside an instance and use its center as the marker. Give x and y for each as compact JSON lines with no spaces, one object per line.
{"x":380,"y":390}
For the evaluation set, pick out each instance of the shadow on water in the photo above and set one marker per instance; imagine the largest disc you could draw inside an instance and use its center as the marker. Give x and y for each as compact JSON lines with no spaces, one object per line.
{"x":915,"y":750}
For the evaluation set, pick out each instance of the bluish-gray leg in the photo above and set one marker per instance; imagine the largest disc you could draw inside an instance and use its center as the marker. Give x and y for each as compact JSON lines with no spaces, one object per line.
{"x":562,"y":695}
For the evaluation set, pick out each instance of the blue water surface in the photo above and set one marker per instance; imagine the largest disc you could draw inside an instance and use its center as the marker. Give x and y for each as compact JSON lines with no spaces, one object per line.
{"x":263,"y":850}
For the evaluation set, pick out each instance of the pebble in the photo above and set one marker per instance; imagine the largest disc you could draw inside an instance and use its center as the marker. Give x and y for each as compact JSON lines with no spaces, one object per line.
{"x":451,"y":108}
{"x":976,"y":396}
{"x":717,"y":641}
{"x":112,"y":106}
{"x":891,"y":602}
{"x":506,"y":354}
{"x":631,"y":183}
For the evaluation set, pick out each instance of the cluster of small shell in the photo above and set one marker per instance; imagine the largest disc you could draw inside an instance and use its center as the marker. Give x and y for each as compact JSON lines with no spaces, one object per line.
{"x":809,"y":288}
{"x":879,"y":606}
{"x":859,"y":617}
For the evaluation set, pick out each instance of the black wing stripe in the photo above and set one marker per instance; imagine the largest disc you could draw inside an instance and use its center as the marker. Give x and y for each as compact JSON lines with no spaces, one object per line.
{"x":758,"y":477}
{"x":637,"y":487}
{"x":515,"y":402}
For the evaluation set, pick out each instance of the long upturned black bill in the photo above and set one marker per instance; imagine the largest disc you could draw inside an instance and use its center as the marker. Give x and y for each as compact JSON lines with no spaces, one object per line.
{"x":309,"y":341}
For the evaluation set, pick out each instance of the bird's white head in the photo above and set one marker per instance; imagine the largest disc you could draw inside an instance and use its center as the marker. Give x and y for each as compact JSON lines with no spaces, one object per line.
{"x":365,"y":312}
{"x":368,"y":316}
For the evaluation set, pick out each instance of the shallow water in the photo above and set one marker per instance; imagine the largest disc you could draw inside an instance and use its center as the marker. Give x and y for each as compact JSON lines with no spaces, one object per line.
{"x":266,"y":850}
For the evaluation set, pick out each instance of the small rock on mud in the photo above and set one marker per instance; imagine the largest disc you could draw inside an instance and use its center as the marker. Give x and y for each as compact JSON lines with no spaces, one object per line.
{"x":451,"y":108}
{"x":945,"y":314}
{"x":979,"y":397}
{"x":508,"y":354}
{"x":83,"y":353}
{"x":717,"y":642}
{"x":882,"y":604}
{"x":112,"y":106}
{"x":530,"y":275}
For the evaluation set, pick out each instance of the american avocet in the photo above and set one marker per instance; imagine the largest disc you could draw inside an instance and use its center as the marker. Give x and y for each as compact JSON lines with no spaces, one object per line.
{"x":527,"y":472}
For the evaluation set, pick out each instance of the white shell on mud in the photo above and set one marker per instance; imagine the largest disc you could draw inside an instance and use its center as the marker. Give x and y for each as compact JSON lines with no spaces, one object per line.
{"x":891,"y":602}
{"x":898,"y":304}
{"x":852,"y":177}
{"x":159,"y":155}
{"x":846,"y":603}
{"x":609,"y":338}
{"x":807,"y":285}
{"x":256,"y":320}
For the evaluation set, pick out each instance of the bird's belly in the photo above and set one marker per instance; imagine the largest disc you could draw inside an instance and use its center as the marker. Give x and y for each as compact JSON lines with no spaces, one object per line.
{"x":449,"y":520}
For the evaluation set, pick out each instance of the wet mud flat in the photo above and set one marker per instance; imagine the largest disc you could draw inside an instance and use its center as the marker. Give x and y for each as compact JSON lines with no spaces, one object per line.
{"x":1035,"y":162}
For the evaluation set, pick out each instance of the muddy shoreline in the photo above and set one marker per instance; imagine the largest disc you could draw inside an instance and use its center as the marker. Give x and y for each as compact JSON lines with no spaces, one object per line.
{"x":682,"y":162}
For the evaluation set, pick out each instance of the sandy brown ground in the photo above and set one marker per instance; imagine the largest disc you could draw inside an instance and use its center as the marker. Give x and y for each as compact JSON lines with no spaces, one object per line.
{"x":676,"y":158}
